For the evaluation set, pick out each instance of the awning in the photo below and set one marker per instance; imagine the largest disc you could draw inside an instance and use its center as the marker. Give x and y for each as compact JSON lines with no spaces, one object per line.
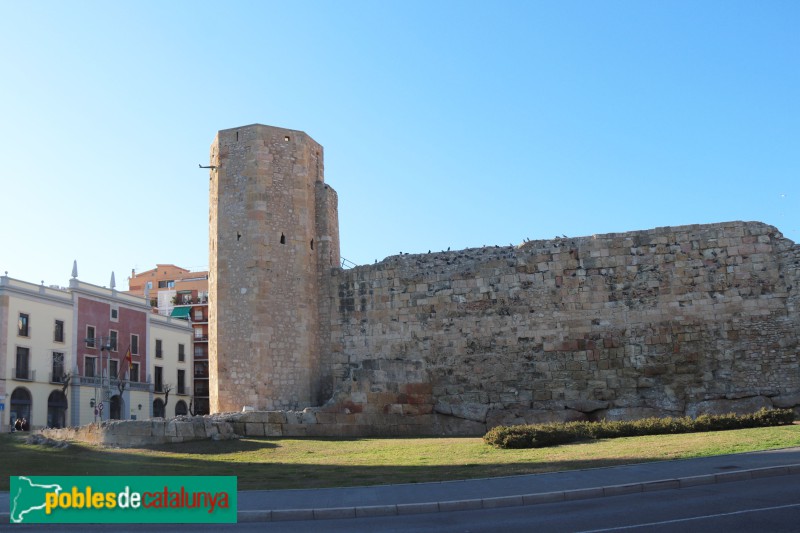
{"x":181,"y":312}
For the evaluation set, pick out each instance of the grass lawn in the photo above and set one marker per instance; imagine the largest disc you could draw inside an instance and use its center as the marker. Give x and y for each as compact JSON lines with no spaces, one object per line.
{"x":268,"y":463}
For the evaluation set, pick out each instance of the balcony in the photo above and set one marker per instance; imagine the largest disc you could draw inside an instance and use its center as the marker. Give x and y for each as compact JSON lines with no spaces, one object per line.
{"x":23,"y":374}
{"x":184,"y":299}
{"x":96,"y":381}
{"x":200,"y":338}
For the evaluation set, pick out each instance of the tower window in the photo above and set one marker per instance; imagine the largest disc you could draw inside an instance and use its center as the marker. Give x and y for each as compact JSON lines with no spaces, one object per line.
{"x":286,"y":138}
{"x":312,"y":244}
{"x":283,"y":238}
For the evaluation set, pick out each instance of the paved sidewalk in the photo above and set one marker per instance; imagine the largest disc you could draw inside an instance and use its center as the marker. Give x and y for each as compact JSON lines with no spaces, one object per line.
{"x":382,"y":500}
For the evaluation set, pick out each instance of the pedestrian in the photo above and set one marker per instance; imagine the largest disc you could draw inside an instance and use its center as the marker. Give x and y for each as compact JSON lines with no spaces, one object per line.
{"x":18,"y":425}
{"x":25,"y":424}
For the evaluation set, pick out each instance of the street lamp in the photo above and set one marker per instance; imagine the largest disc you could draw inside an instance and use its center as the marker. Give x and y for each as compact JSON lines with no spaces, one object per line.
{"x":105,"y":346}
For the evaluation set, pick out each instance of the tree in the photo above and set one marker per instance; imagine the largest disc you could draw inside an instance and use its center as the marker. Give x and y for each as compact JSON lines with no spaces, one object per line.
{"x":65,"y":379}
{"x":167,"y":390}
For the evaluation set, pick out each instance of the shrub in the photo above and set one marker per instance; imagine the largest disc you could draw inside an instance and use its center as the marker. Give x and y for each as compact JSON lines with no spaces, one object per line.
{"x":553,"y":434}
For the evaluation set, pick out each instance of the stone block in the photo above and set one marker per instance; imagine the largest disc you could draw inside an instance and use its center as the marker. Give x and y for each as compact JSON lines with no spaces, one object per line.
{"x":254,"y":429}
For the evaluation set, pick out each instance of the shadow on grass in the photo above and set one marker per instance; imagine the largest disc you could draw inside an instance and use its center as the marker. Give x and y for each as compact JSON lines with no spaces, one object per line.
{"x":253,"y":470}
{"x":217,"y":448}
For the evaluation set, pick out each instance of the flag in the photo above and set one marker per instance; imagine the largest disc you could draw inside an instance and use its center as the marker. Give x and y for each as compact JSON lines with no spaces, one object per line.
{"x":128,"y":356}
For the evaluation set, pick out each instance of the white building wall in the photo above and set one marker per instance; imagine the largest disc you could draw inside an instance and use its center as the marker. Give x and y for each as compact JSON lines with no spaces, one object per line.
{"x":172,"y":332}
{"x":43,"y":306}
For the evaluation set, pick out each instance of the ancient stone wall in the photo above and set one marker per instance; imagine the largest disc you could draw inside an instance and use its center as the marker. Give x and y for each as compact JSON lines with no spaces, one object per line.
{"x":669,"y":321}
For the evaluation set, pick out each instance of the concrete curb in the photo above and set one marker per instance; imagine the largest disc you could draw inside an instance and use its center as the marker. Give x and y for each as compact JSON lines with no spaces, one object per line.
{"x":518,"y":500}
{"x":329,"y":513}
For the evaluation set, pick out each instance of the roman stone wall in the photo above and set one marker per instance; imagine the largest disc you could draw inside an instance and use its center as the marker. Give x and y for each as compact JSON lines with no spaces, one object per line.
{"x":670,"y":321}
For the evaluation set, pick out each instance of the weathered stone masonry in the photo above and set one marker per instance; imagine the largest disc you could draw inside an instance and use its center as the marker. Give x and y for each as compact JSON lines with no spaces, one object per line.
{"x":669,"y":321}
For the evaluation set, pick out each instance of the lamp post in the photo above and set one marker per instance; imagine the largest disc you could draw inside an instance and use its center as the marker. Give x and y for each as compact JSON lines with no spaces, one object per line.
{"x":105,"y":346}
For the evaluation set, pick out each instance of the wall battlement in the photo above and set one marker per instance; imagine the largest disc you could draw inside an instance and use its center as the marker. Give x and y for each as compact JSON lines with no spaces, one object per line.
{"x":668,"y":321}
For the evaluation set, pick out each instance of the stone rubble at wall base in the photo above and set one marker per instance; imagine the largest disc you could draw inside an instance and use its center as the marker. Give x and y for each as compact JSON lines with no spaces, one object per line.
{"x":313,"y":422}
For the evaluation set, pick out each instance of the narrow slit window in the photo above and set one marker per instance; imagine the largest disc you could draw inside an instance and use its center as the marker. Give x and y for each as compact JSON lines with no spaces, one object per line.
{"x":286,"y":138}
{"x":238,"y":236}
{"x":312,"y":244}
{"x":283,"y":238}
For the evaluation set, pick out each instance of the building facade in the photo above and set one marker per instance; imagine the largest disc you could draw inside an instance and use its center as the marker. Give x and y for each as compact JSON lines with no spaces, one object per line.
{"x":81,"y":354}
{"x":180,"y":293}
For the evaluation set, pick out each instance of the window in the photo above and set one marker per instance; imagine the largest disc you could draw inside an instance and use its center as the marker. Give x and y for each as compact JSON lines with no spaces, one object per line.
{"x":112,"y":340}
{"x":159,"y":350}
{"x":57,"y":374}
{"x":201,"y":388}
{"x":134,"y":373}
{"x":159,"y":379}
{"x":198,"y":315}
{"x":166,"y":284}
{"x":23,"y":324}
{"x":200,"y":352}
{"x":201,"y":369}
{"x":181,"y":384}
{"x":58,"y":332}
{"x":198,"y":333}
{"x":134,"y":344}
{"x":90,"y":339}
{"x":113,"y":369}
{"x":181,"y":352}
{"x":89,"y":369}
{"x":22,"y":370}
{"x":149,"y":285}
{"x":114,"y":314}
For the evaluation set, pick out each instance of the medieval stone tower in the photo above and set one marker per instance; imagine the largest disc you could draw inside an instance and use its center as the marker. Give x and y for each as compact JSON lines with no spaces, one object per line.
{"x":274,"y":238}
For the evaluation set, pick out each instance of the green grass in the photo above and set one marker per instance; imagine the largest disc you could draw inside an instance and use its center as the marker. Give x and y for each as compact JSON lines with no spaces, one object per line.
{"x":310,"y":463}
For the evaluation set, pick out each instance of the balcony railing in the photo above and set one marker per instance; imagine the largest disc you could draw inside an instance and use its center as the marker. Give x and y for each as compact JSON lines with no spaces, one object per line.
{"x":23,"y":374}
{"x":96,"y":381}
{"x":200,"y":338}
{"x":188,"y":300}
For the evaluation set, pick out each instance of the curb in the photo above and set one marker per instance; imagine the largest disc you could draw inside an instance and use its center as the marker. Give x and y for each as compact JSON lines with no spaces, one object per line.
{"x":514,"y":501}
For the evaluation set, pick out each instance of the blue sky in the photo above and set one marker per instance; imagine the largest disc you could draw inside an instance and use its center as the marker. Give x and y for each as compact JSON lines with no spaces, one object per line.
{"x":445,"y":124}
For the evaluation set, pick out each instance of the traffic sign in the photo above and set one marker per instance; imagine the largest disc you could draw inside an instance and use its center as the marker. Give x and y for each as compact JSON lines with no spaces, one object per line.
{"x":2,"y":406}
{"x":100,"y":406}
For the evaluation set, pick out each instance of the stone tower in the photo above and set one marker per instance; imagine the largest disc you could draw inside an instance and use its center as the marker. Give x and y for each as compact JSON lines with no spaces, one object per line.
{"x":274,"y":238}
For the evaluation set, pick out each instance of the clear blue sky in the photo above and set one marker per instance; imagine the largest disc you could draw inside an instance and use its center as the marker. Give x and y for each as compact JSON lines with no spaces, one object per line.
{"x":444,"y":123}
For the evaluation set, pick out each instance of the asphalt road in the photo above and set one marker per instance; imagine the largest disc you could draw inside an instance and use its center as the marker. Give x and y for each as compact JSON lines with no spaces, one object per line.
{"x":770,"y":504}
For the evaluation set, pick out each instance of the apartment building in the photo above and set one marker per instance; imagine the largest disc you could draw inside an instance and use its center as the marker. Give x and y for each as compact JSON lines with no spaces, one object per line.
{"x":181,"y":294}
{"x":79,"y":354}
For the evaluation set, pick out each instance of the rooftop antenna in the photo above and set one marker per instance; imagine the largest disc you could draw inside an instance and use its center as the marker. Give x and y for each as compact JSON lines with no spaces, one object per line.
{"x":75,"y":269}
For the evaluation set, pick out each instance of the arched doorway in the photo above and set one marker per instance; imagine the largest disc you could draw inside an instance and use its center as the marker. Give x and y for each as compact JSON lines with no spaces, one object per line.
{"x":116,"y":407}
{"x":181,"y":409}
{"x":56,"y":410}
{"x":158,"y":408}
{"x":21,"y":405}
